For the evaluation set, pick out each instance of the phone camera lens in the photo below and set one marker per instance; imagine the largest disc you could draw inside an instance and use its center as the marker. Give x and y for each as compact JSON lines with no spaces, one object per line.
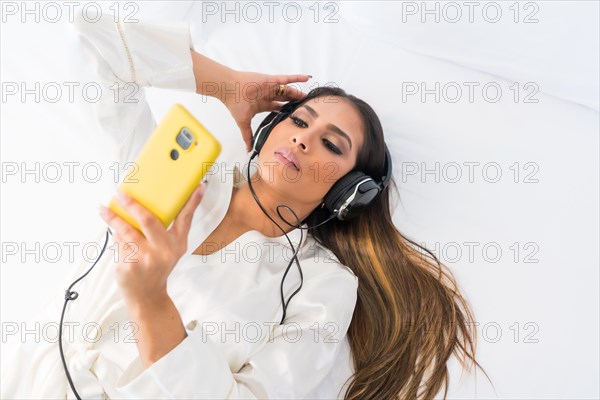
{"x":185,"y":138}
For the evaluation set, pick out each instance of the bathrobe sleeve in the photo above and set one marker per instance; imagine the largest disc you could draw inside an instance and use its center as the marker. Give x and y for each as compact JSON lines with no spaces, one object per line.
{"x":295,"y":358}
{"x":127,"y":57}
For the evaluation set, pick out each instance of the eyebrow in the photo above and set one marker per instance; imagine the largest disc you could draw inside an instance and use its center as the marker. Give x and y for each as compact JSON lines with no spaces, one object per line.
{"x":333,"y":128}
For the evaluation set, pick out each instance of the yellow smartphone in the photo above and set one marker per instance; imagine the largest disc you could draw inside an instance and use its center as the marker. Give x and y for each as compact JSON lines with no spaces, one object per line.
{"x":169,"y":167}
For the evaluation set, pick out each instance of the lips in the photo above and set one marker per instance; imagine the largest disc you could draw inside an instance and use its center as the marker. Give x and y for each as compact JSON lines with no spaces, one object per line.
{"x":289,"y":156}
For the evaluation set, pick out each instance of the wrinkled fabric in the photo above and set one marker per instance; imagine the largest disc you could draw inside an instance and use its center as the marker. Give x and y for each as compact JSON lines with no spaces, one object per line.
{"x":229,"y":301}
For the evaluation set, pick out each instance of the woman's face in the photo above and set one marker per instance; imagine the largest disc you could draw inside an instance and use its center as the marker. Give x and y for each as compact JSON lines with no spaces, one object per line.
{"x":325,"y":135}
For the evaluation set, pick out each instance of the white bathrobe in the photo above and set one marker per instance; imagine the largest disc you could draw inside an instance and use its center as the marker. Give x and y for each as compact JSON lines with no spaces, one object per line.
{"x":229,"y":301}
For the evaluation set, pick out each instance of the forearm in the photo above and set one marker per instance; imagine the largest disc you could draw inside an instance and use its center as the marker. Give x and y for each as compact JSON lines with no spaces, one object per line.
{"x":212,"y":79}
{"x":160,"y":328}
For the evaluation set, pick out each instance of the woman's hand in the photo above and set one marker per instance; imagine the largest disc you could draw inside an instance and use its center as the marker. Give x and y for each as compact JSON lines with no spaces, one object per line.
{"x":245,"y":94}
{"x":253,"y":93}
{"x":146,"y":261}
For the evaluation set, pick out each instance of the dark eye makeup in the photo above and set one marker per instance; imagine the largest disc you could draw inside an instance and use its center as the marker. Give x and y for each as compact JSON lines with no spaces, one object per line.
{"x":302,"y":124}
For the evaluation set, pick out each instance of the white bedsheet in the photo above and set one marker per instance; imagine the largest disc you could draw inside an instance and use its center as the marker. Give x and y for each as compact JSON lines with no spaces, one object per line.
{"x":538,"y":320}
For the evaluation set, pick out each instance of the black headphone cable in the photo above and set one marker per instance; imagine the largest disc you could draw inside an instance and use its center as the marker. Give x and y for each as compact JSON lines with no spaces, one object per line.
{"x":294,"y":257}
{"x":69,"y":296}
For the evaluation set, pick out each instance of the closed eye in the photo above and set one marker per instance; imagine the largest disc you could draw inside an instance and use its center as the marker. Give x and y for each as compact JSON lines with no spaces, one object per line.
{"x":300,"y":123}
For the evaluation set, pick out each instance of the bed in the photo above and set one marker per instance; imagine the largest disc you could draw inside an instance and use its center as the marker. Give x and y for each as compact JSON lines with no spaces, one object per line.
{"x":490,"y":113}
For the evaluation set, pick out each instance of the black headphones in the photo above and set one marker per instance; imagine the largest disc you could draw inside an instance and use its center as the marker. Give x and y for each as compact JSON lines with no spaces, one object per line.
{"x":350,"y":193}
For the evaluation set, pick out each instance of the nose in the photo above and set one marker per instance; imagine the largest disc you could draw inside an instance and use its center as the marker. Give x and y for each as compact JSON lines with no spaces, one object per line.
{"x":305,"y":138}
{"x":299,"y":142}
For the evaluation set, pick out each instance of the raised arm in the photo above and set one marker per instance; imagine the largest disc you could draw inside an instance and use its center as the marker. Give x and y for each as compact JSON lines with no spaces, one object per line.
{"x":245,"y":94}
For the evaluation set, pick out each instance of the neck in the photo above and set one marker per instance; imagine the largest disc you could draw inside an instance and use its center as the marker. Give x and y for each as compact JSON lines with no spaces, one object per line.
{"x":245,"y":214}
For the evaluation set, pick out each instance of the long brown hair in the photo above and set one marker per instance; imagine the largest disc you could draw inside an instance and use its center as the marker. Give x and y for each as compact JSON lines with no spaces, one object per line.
{"x":410,"y":315}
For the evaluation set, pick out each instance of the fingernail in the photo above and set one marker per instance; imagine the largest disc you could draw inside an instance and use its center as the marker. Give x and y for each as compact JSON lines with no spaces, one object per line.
{"x":202,"y":189}
{"x":122,"y":197}
{"x":309,"y":76}
{"x":103,"y":210}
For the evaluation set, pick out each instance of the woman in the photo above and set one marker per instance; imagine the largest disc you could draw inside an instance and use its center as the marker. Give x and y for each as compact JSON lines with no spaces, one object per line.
{"x":374,"y":317}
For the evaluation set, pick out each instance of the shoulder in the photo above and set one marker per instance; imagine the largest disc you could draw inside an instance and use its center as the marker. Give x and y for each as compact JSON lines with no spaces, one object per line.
{"x":329,"y":291}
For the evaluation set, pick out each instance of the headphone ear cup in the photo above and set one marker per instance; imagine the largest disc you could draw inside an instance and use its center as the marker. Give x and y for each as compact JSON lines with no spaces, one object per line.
{"x":356,"y":189}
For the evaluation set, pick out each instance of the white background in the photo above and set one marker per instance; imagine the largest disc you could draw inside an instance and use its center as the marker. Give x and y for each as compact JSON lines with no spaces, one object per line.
{"x":536,"y":303}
